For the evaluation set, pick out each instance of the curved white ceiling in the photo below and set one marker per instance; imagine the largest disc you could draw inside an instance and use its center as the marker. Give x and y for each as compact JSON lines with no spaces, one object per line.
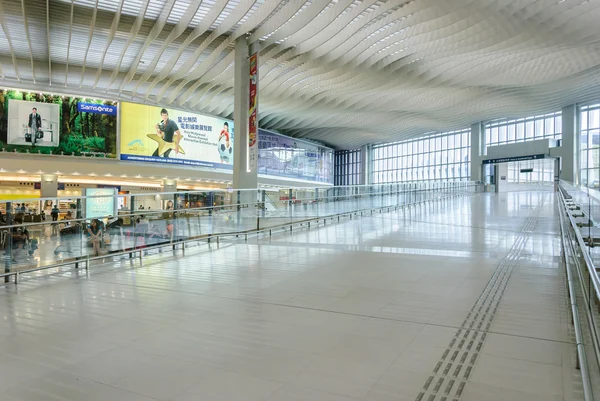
{"x":345,"y":72}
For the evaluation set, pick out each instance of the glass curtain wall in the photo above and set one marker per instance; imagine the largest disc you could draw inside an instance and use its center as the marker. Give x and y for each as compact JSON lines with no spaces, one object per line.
{"x":504,"y":131}
{"x":542,"y":172}
{"x":348,"y":165}
{"x":589,"y":160}
{"x":443,"y":156}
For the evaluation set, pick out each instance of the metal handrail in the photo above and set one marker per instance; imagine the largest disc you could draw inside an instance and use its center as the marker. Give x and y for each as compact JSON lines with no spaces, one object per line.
{"x":586,"y":255}
{"x":235,"y":206}
{"x":582,"y":359}
{"x":131,"y":251}
{"x":323,"y":187}
{"x":572,"y":239}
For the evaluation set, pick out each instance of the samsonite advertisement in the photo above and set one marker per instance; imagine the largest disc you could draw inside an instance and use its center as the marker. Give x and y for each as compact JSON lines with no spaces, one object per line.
{"x":47,"y":123}
{"x":166,"y":135}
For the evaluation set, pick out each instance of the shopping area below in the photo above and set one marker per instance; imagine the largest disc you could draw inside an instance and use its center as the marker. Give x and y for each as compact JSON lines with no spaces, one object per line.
{"x":77,"y":230}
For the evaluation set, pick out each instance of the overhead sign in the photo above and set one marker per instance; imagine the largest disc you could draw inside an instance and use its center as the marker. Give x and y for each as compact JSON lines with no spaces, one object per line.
{"x":514,"y":159}
{"x":97,"y":108}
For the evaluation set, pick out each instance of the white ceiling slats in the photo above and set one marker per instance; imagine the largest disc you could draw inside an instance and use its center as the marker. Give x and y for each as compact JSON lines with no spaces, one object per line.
{"x":347,"y":72}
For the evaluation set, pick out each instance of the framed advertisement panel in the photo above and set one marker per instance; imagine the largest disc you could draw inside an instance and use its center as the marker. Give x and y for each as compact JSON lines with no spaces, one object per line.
{"x":252,"y":157}
{"x":47,"y":123}
{"x":100,"y":202}
{"x":164,"y":135}
{"x":283,"y":156}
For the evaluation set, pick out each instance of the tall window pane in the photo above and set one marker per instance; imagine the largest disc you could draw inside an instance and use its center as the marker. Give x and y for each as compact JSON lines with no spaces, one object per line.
{"x":421,"y":159}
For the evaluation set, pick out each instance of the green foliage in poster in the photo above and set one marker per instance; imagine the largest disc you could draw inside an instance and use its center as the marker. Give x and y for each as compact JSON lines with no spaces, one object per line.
{"x":80,"y":132}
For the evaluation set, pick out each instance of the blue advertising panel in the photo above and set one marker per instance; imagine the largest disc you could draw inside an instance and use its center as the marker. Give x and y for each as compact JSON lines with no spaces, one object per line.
{"x":97,"y":108}
{"x":283,"y":156}
{"x":100,"y":202}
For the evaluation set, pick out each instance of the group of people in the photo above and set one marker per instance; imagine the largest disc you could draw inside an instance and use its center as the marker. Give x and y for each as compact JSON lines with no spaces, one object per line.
{"x":20,"y":208}
{"x":16,"y":240}
{"x":19,"y":237}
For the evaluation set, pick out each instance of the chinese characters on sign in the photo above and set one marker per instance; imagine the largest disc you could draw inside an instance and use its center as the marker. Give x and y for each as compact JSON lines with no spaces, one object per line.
{"x":252,"y":156}
{"x":171,"y":136}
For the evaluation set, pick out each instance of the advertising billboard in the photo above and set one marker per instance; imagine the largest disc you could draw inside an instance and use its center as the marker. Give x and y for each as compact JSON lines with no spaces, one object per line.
{"x":166,"y":135}
{"x":47,"y":123}
{"x":252,"y":156}
{"x":33,"y":123}
{"x":283,"y":156}
{"x":100,"y":202}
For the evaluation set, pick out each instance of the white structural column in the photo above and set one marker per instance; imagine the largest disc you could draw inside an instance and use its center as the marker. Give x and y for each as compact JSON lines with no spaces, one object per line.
{"x":169,"y":186}
{"x":365,"y":165}
{"x":49,"y":186}
{"x":242,"y":178}
{"x":502,"y":177}
{"x":477,"y":150}
{"x":569,"y":150}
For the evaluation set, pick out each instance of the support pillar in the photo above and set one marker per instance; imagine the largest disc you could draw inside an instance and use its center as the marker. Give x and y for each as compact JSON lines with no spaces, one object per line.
{"x":49,"y":186}
{"x":477,"y":151}
{"x":169,"y":186}
{"x":169,"y":201}
{"x":365,"y":165}
{"x":570,"y":143}
{"x":243,"y":177}
{"x":502,"y":177}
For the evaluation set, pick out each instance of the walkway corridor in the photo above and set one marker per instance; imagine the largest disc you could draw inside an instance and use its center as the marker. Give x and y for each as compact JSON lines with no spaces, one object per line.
{"x":462,"y":299}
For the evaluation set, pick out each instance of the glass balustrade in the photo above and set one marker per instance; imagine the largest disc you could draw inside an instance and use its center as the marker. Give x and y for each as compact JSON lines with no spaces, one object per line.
{"x":64,"y":231}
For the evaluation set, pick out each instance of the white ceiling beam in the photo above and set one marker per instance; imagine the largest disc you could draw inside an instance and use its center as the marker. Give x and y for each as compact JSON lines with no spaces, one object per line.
{"x":156,"y":30}
{"x":135,"y":28}
{"x":69,"y":42}
{"x":49,"y":44}
{"x":8,"y":37}
{"x":28,"y":36}
{"x":111,"y":35}
{"x":90,"y":37}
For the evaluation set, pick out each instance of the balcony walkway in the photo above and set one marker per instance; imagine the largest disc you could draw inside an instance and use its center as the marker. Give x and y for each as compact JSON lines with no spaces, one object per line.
{"x":462,"y":299}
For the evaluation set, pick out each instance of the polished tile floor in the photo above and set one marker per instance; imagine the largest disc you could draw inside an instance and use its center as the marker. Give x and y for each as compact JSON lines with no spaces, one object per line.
{"x":462,"y":299}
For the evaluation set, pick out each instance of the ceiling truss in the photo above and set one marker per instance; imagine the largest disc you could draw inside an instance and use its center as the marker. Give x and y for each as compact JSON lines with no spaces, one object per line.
{"x":344,"y":72}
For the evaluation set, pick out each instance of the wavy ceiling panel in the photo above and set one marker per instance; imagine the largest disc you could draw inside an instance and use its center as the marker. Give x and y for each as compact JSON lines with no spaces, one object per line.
{"x":345,"y":72}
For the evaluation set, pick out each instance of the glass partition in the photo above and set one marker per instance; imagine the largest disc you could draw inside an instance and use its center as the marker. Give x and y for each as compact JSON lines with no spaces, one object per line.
{"x":71,"y":231}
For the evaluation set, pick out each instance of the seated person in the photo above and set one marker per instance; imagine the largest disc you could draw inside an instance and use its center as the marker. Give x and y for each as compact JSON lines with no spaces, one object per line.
{"x":68,"y":216}
{"x":20,"y":236}
{"x":95,"y":232}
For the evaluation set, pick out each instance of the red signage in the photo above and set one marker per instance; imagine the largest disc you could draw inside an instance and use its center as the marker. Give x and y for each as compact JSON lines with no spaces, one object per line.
{"x":252,"y":155}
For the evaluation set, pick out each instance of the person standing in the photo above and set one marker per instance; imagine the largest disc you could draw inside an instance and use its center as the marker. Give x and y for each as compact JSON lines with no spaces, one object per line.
{"x":54,"y":213}
{"x":35,"y":121}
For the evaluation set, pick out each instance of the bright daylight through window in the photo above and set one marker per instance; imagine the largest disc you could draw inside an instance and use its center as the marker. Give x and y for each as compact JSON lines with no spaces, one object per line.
{"x":443,"y":156}
{"x":589,"y":142}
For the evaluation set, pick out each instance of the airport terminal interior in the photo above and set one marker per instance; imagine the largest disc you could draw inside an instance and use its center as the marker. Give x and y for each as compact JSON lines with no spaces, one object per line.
{"x":299,"y":200}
